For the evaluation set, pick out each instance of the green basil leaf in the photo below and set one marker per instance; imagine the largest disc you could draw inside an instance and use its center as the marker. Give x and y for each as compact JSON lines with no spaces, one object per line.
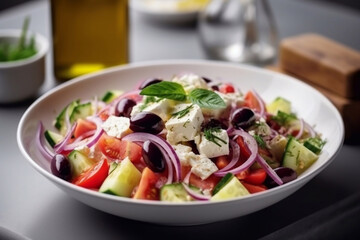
{"x":206,"y":99}
{"x":165,"y":89}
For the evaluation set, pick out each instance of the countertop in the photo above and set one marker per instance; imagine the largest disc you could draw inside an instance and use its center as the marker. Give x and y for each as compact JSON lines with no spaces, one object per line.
{"x":33,"y":207}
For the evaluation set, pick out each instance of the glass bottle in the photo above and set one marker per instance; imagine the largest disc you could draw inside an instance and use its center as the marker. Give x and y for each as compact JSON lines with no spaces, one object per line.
{"x":88,"y":35}
{"x":238,"y":31}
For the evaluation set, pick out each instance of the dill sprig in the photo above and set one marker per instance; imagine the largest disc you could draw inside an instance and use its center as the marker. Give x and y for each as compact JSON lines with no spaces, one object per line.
{"x":260,"y":141}
{"x":183,"y":112}
{"x":210,"y":136}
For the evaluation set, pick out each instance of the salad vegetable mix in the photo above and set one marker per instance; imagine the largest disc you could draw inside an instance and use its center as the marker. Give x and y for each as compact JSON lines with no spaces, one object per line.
{"x":184,"y":139}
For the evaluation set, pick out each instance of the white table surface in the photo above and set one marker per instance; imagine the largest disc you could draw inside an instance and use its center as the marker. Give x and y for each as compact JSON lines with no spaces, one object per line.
{"x":33,"y":207}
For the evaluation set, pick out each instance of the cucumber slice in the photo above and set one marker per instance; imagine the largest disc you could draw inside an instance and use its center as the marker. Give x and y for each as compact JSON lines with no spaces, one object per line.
{"x":298,"y":157}
{"x":174,"y":193}
{"x":222,"y":183}
{"x":314,"y":144}
{"x":284,"y":119}
{"x":60,"y":119}
{"x":52,"y":137}
{"x":122,"y":180}
{"x":279,"y":104}
{"x":81,"y":111}
{"x":232,"y":189}
{"x":109,"y":96}
{"x":79,"y":162}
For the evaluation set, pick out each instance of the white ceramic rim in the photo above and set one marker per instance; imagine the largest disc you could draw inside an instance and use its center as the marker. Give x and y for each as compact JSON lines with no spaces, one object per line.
{"x":41,"y":42}
{"x":282,"y":188}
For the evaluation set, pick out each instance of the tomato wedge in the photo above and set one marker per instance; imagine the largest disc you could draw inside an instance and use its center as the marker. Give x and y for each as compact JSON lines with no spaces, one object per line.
{"x":256,"y":176}
{"x":221,"y":162}
{"x":94,"y":177}
{"x":83,"y":126}
{"x":147,"y":186}
{"x":208,"y":183}
{"x":251,"y":101}
{"x":254,"y":188}
{"x":244,"y":150}
{"x":242,"y":175}
{"x":112,"y":147}
{"x":115,"y":148}
{"x":133,"y":151}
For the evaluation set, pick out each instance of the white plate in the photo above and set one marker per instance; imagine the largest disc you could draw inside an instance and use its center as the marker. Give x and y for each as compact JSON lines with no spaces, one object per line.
{"x":164,"y":11}
{"x":307,"y":102}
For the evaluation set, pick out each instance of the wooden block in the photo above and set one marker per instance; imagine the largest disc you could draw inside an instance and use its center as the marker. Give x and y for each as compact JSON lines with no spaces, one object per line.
{"x":349,"y":109}
{"x":324,"y":62}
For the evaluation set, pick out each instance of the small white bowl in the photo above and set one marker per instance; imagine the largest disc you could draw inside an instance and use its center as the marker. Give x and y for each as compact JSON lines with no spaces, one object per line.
{"x":21,"y":79}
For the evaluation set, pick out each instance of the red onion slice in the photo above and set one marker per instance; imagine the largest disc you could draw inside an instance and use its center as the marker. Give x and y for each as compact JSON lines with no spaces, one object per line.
{"x":301,"y":130}
{"x":89,"y":142}
{"x":40,"y":145}
{"x":168,"y":163}
{"x":58,"y":148}
{"x":235,"y":156}
{"x":310,"y":129}
{"x":274,"y":133}
{"x":187,"y":178}
{"x":261,"y":103}
{"x":142,"y":137}
{"x":194,"y":194}
{"x":84,"y":135}
{"x":253,"y":147}
{"x":269,"y":170}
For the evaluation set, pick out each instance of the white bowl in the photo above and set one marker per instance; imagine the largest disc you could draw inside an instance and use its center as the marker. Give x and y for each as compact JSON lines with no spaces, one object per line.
{"x":308,"y":103}
{"x":21,"y":79}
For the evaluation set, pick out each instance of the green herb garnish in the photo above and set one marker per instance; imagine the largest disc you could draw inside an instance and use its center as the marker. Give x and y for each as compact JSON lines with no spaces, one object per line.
{"x":183,"y":112}
{"x":21,"y":50}
{"x":210,"y":136}
{"x":164,"y":89}
{"x":260,"y":141}
{"x":283,"y":118}
{"x":206,"y":98}
{"x":148,"y":100}
{"x":171,"y":90}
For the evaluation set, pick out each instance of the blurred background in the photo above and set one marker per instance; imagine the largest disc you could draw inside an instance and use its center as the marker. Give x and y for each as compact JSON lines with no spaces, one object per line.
{"x":348,"y":3}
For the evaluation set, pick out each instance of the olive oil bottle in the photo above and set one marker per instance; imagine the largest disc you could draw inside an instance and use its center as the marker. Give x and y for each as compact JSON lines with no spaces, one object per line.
{"x":88,"y":35}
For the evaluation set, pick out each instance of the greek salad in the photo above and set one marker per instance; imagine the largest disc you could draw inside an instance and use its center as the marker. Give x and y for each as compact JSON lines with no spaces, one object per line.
{"x":188,"y":138}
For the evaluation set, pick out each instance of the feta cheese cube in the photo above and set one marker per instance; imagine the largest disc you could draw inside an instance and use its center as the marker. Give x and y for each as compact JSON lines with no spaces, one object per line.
{"x":190,"y":82}
{"x":160,"y":108}
{"x":202,"y":166}
{"x":185,"y":154}
{"x":184,"y":128}
{"x":209,"y":148}
{"x":116,"y":126}
{"x":137,"y":109}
